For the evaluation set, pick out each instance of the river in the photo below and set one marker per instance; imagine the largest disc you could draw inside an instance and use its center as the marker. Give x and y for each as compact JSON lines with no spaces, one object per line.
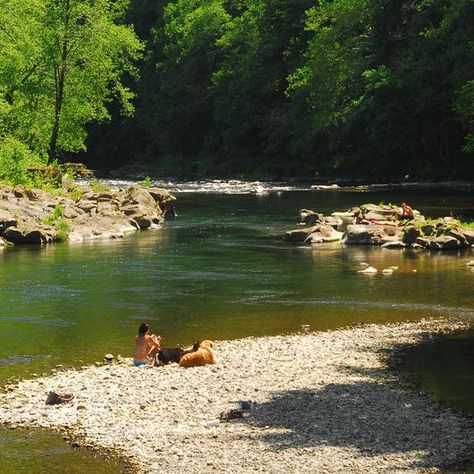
{"x":219,"y":271}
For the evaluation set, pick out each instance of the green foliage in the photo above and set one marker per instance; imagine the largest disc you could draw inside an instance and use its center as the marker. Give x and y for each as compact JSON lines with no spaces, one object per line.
{"x":61,"y":62}
{"x":56,"y":220}
{"x":62,"y":230}
{"x":374,"y":88}
{"x":15,"y":158}
{"x":98,"y":186}
{"x":55,"y":216}
{"x":76,"y":193}
{"x":146,"y":183}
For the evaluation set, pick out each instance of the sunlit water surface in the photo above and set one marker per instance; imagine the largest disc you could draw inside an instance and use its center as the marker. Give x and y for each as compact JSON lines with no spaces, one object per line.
{"x":220,"y":271}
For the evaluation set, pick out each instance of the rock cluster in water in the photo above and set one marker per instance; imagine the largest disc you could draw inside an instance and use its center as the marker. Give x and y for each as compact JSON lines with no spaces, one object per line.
{"x":384,"y":225}
{"x":315,"y":402}
{"x":34,"y":216}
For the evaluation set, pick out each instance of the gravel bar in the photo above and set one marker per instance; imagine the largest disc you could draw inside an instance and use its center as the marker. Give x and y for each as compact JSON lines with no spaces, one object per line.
{"x":321,"y":402}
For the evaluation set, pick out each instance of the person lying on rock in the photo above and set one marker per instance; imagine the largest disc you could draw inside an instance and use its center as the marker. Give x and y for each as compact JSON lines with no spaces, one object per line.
{"x":146,"y":346}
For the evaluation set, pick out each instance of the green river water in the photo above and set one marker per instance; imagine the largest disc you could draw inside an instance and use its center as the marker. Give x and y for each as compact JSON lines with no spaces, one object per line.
{"x":220,"y":271}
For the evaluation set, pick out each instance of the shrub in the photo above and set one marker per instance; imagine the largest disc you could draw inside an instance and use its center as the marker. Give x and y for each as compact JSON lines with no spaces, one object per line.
{"x":15,"y":158}
{"x":55,"y":219}
{"x":146,"y":183}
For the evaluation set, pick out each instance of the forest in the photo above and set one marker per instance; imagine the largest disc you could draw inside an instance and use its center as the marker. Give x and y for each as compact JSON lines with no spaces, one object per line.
{"x":239,"y":88}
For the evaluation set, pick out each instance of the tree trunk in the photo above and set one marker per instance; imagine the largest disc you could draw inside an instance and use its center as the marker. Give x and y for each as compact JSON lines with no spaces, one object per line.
{"x":60,"y":79}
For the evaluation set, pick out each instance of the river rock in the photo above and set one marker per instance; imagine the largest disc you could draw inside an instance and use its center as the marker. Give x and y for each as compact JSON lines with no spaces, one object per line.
{"x":138,"y":196}
{"x":372,"y":234}
{"x":460,"y":237}
{"x":346,"y":217}
{"x":335,"y":222}
{"x":422,"y":242}
{"x":7,"y":220}
{"x":37,"y":236}
{"x":143,"y":222}
{"x":469,"y":235}
{"x":444,"y":242}
{"x":324,"y":233}
{"x":380,"y":212}
{"x":369,"y":271}
{"x":310,"y":217}
{"x":428,"y":229}
{"x":410,"y":234}
{"x":13,"y":235}
{"x":396,"y":244}
{"x":298,"y":235}
{"x":87,"y":205}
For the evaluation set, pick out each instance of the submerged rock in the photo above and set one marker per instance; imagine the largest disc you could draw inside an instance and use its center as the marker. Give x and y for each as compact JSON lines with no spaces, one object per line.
{"x":369,"y":270}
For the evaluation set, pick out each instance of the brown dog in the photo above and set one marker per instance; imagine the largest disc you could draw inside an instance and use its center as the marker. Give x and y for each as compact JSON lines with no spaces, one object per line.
{"x":203,"y":356}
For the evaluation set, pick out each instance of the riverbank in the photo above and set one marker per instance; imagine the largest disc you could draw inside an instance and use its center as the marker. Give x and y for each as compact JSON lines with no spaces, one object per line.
{"x":321,"y":402}
{"x":78,"y":213}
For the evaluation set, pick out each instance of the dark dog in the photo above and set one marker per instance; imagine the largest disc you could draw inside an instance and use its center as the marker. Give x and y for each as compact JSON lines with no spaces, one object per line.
{"x":166,"y":356}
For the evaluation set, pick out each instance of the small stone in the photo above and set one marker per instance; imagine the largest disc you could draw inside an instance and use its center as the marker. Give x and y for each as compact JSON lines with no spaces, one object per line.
{"x":368,"y":271}
{"x":108,"y":357}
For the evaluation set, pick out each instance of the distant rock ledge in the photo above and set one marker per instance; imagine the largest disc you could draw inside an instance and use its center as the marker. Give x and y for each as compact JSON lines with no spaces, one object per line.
{"x":77,"y":213}
{"x":384,"y":225}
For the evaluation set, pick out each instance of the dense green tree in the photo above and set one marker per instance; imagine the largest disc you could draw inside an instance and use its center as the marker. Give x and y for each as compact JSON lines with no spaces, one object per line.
{"x":365,"y":87}
{"x":61,"y":62}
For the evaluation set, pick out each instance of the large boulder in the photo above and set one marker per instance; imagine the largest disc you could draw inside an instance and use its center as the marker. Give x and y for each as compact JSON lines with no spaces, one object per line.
{"x":444,"y":242}
{"x":469,"y":235}
{"x":458,"y":234}
{"x":324,"y":233}
{"x":371,"y":234}
{"x":410,"y":234}
{"x":380,"y":212}
{"x":7,"y":220}
{"x":135,"y":195}
{"x":422,"y":241}
{"x":335,"y":222}
{"x":299,"y":235}
{"x":310,"y":217}
{"x":347,"y":218}
{"x":13,"y":235}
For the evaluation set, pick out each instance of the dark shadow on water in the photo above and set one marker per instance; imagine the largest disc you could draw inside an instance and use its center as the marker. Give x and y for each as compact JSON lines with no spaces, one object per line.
{"x":375,"y":418}
{"x":442,"y":366}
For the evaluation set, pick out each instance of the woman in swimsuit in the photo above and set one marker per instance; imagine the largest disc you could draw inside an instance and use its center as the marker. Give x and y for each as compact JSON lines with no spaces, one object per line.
{"x":146,"y":346}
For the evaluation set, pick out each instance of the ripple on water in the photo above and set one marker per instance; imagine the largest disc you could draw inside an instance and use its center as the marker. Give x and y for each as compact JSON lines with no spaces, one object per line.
{"x":270,"y":299}
{"x":19,"y":359}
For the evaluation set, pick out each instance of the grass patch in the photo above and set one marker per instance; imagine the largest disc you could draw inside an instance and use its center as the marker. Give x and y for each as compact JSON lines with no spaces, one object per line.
{"x":56,"y":220}
{"x":98,"y":186}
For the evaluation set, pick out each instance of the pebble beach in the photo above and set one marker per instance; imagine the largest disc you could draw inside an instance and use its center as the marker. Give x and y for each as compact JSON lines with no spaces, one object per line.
{"x":319,"y":402}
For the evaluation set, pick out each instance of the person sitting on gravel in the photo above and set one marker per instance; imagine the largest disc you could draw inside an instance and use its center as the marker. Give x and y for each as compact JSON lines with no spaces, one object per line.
{"x":146,"y":346}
